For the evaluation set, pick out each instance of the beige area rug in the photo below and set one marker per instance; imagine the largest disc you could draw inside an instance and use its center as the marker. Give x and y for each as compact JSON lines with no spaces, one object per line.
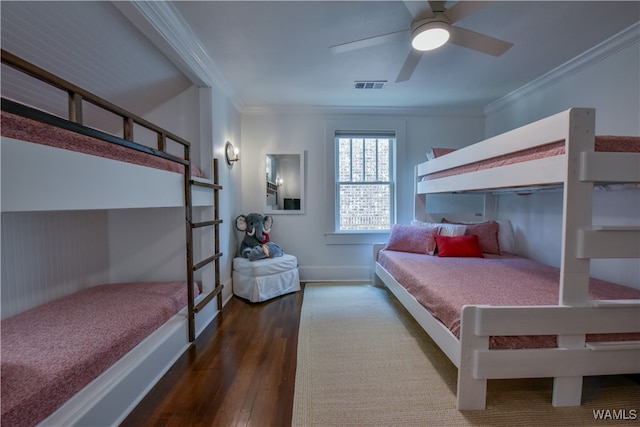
{"x":363,"y":361}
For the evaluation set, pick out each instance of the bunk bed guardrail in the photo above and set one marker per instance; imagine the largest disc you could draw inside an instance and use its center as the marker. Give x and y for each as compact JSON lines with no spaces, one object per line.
{"x":76,"y":96}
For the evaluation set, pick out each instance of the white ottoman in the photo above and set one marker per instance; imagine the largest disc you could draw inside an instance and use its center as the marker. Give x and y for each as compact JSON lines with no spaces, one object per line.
{"x":264,"y":279}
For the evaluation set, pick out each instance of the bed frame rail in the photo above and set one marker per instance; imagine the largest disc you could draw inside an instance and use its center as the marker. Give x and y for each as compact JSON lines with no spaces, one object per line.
{"x":541,"y":132}
{"x":478,"y":362}
{"x":608,"y":242}
{"x":609,"y":167}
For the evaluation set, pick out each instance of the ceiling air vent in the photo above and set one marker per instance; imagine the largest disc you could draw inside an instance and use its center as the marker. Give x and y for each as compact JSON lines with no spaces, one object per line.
{"x":371,"y":84}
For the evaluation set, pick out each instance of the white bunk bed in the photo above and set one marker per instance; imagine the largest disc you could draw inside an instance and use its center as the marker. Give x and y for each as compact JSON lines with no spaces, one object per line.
{"x":575,"y":315}
{"x":38,"y":177}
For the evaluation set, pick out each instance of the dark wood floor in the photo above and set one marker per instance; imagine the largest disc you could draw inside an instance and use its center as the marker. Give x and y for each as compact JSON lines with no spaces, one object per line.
{"x":239,"y":372}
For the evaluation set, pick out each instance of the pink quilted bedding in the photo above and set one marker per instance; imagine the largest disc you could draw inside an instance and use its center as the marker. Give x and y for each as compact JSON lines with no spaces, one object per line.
{"x":52,"y":351}
{"x":25,"y":129}
{"x":444,"y":285}
{"x":604,"y":143}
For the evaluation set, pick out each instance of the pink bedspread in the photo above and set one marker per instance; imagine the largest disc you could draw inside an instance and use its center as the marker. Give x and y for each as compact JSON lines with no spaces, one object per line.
{"x":444,"y":285}
{"x":603,"y":143}
{"x":25,"y":129}
{"x":52,"y":351}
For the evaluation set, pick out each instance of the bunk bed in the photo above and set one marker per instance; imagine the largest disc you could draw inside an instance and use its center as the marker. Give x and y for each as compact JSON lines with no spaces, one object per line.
{"x":577,"y":323}
{"x":51,"y":163}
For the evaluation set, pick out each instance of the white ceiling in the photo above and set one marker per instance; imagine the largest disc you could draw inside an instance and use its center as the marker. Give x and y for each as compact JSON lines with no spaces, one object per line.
{"x":269,"y":53}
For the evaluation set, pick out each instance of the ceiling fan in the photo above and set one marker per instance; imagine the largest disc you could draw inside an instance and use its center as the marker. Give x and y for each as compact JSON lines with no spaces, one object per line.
{"x":431,"y":28}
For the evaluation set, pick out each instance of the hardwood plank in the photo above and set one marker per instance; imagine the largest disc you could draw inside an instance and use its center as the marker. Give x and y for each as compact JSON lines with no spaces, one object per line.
{"x":239,"y":372}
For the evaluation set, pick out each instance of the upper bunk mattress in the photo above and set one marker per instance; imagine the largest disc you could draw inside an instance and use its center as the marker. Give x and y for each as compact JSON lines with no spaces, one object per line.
{"x":52,"y":351}
{"x":26,"y":129}
{"x":603,"y":143}
{"x":444,"y":285}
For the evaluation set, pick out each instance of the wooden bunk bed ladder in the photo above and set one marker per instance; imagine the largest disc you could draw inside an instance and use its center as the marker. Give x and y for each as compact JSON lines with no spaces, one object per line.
{"x":192,"y":266}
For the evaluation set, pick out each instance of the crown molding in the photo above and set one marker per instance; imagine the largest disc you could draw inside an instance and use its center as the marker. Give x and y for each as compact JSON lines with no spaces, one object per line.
{"x":597,"y":53}
{"x":163,"y":25}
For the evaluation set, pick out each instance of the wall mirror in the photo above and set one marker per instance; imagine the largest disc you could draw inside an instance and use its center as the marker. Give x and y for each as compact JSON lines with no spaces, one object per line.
{"x":284,"y":184}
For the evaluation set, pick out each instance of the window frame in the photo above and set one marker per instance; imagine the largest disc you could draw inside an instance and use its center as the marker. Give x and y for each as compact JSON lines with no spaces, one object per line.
{"x":391,"y":182}
{"x":371,"y":125}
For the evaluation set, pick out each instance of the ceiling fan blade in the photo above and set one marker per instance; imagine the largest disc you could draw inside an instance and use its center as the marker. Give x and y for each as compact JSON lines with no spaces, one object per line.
{"x":477,"y":41}
{"x":462,"y":9}
{"x":419,"y":9}
{"x":409,"y":66}
{"x":368,"y":42}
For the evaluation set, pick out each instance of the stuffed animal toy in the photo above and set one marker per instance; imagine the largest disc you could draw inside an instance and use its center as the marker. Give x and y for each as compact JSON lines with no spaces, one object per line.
{"x":256,"y":244}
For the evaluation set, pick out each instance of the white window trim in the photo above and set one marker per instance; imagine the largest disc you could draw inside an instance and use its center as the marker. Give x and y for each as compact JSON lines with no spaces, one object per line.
{"x":355,"y":124}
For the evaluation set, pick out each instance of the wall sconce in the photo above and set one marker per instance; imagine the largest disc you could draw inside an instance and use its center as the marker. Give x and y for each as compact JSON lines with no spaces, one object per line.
{"x":279,"y":182}
{"x":231,"y":153}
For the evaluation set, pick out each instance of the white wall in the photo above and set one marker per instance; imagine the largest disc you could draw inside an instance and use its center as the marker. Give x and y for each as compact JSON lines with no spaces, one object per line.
{"x":304,"y":235}
{"x":606,"y":78}
{"x":225,"y":126}
{"x":609,"y":81}
{"x":46,"y":255}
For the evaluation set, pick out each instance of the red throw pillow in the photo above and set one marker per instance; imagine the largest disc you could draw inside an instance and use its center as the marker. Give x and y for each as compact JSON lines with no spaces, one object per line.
{"x":458,"y":246}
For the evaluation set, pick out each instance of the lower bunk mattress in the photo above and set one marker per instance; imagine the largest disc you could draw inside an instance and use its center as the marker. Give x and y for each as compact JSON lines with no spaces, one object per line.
{"x":444,"y":285}
{"x":50,"y":352}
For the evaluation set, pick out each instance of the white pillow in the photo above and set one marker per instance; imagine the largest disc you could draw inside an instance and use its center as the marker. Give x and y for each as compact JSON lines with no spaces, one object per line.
{"x":452,"y":229}
{"x":446,"y":229}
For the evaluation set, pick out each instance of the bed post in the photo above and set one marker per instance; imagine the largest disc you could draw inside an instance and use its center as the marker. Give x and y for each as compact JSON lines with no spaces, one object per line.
{"x":419,"y":200}
{"x":490,"y":206}
{"x":577,"y":215}
{"x":375,"y":280}
{"x":188,"y":212}
{"x":472,"y":392}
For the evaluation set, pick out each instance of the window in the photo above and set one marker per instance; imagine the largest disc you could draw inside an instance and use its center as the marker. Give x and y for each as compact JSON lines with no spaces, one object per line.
{"x":364,"y":181}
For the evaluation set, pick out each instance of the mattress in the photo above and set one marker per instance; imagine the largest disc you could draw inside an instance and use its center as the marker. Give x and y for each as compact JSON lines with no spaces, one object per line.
{"x":444,"y":285}
{"x":603,"y":143}
{"x":49,"y":353}
{"x":25,"y":129}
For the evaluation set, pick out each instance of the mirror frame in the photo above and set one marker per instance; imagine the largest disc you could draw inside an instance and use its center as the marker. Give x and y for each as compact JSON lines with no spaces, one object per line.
{"x":267,"y":208}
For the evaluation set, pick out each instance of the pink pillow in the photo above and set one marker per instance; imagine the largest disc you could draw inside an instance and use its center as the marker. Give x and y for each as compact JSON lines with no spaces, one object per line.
{"x":412,"y":238}
{"x":487,"y":233}
{"x":440,"y":151}
{"x":436,"y":152}
{"x":459,"y":246}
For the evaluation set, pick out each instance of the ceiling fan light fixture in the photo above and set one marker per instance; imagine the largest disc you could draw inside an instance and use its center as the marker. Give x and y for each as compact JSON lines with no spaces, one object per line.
{"x":429,"y":34}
